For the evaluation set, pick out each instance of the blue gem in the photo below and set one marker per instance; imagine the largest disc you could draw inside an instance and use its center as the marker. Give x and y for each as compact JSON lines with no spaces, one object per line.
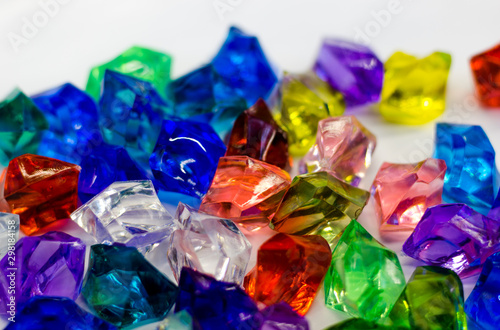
{"x":471,"y":176}
{"x":131,"y":111}
{"x":103,"y":166}
{"x":495,"y":208}
{"x":483,"y":304}
{"x":186,"y":156}
{"x":73,"y":121}
{"x":40,"y":313}
{"x":124,"y":289}
{"x":215,"y":305}
{"x":242,"y":63}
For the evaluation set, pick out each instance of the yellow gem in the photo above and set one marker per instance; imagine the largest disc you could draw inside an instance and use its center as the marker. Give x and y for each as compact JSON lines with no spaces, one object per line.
{"x":414,"y":89}
{"x":306,"y":99}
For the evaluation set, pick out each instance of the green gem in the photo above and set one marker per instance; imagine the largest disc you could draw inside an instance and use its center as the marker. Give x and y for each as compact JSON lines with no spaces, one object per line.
{"x":365,"y":278}
{"x":21,"y":126}
{"x":138,"y":62}
{"x":432,"y":299}
{"x":357,"y":324}
{"x":319,"y":204}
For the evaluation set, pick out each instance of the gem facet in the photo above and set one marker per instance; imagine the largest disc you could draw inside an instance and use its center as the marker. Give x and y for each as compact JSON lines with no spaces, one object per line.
{"x":403,"y":192}
{"x":41,"y":190}
{"x":178,"y":321}
{"x":486,"y":70}
{"x":282,"y":316}
{"x":365,"y":278}
{"x":432,"y":299}
{"x":242,"y":63}
{"x":344,"y":147}
{"x":137,"y":62}
{"x":255,"y":134}
{"x":9,"y":231}
{"x":289,"y":269}
{"x":47,"y":265}
{"x":305,"y":100}
{"x":208,"y":244}
{"x":73,"y":123}
{"x":483,"y":305}
{"x":414,"y":89}
{"x":357,"y":324}
{"x":318,"y":204}
{"x":213,"y":304}
{"x":471,"y":175}
{"x":124,"y":289}
{"x":185,"y":157}
{"x":126,"y":212}
{"x":352,"y":69}
{"x":454,"y":236}
{"x":56,"y":313}
{"x":246,"y":191}
{"x":21,"y":126}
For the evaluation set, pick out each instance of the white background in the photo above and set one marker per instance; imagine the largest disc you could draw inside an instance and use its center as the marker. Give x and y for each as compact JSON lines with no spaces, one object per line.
{"x":83,"y":33}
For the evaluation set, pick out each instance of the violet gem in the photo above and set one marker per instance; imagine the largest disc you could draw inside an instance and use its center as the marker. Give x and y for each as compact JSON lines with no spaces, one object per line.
{"x":454,"y":236}
{"x":282,"y":316}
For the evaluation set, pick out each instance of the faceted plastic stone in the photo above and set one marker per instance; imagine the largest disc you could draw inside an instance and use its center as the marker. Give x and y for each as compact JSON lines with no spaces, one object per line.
{"x":432,"y":299}
{"x":344,"y":147}
{"x":21,"y":126}
{"x":494,"y":212}
{"x":41,"y":313}
{"x":352,"y":69}
{"x":305,"y":100}
{"x":131,"y":111}
{"x":289,"y":269}
{"x":73,"y":122}
{"x":47,"y":265}
{"x":483,"y":305}
{"x":185,"y":157}
{"x":178,"y":321}
{"x":403,"y":192}
{"x":255,"y":134}
{"x":357,"y":324}
{"x":124,"y":289}
{"x":215,"y":305}
{"x":471,"y":176}
{"x":127,"y":212}
{"x":246,"y":190}
{"x":486,"y":70}
{"x":282,"y":316}
{"x":318,"y":204}
{"x":137,"y":62}
{"x":208,"y":244}
{"x":41,"y":190}
{"x":414,"y":89}
{"x":203,"y":95}
{"x":9,"y":231}
{"x":365,"y":278}
{"x":454,"y":236}
{"x":105,"y":165}
{"x":242,"y":63}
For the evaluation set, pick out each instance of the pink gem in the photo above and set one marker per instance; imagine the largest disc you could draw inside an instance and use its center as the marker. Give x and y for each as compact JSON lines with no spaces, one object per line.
{"x":343,"y":146}
{"x":246,"y":191}
{"x":403,"y":192}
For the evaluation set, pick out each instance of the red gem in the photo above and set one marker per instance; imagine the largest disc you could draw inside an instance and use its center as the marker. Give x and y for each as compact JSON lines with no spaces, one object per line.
{"x":486,"y":69}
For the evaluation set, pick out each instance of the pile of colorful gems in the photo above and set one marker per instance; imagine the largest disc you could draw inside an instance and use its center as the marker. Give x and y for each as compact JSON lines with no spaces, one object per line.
{"x":219,"y":142}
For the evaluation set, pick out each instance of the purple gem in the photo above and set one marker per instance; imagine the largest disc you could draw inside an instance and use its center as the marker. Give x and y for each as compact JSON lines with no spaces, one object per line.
{"x":352,"y":69}
{"x":282,"y":316}
{"x":495,"y":209}
{"x":47,"y":265}
{"x":454,"y":236}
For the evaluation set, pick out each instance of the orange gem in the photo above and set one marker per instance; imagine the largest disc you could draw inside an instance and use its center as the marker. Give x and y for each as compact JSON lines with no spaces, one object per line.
{"x":290,"y":269}
{"x":486,"y":69}
{"x":41,"y":190}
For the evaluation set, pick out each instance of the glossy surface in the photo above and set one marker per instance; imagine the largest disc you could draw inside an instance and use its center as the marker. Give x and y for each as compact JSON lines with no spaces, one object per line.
{"x":352,"y":69}
{"x":318,"y":204}
{"x":41,"y":190}
{"x":343,"y":146}
{"x":403,"y":192}
{"x":454,"y":236}
{"x":246,"y":191}
{"x":365,"y":278}
{"x":178,"y":321}
{"x":414,"y":89}
{"x":282,"y":316}
{"x":486,"y":70}
{"x":289,"y":269}
{"x":124,"y":289}
{"x":471,"y":175}
{"x":9,"y":231}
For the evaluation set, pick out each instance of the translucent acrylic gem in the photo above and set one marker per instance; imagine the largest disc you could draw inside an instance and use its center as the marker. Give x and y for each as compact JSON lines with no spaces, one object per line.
{"x":486,"y":70}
